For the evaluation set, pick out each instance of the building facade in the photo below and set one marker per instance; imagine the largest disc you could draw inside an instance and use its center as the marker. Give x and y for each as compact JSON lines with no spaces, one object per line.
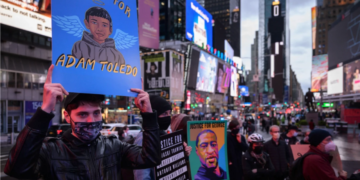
{"x":251,"y":81}
{"x":172,"y":20}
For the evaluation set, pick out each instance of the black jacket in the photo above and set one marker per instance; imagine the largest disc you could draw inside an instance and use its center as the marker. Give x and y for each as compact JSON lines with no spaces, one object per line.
{"x":68,"y":158}
{"x":235,"y":150}
{"x":280,"y":157}
{"x":249,"y":163}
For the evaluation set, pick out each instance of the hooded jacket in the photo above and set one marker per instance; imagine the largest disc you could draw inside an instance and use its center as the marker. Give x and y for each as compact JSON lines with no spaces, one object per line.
{"x":88,"y":48}
{"x":35,"y":156}
{"x":249,"y":163}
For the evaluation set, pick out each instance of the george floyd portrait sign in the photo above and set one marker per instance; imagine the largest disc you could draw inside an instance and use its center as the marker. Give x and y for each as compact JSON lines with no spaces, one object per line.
{"x":208,"y":159}
{"x":95,"y":46}
{"x":173,"y":162}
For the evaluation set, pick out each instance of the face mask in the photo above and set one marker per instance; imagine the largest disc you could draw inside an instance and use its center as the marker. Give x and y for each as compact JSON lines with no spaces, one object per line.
{"x":235,"y":131}
{"x":258,"y":149}
{"x":164,"y":122}
{"x":295,"y":134}
{"x":306,"y":138}
{"x":87,"y":131}
{"x":330,"y":147}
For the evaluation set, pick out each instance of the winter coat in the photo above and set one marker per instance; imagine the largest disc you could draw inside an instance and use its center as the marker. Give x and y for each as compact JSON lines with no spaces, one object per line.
{"x":280,"y":157}
{"x":249,"y":163}
{"x":235,"y":152}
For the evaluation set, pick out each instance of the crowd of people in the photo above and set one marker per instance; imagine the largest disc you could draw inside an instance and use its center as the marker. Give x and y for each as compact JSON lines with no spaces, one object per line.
{"x":83,"y":153}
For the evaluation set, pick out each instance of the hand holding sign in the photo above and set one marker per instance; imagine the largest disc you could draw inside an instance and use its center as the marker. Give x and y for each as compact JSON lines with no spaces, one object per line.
{"x":142,"y":101}
{"x":52,"y":92}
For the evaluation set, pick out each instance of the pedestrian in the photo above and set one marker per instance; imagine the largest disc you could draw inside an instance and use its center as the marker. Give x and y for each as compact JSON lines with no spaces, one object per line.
{"x":306,"y":138}
{"x":236,"y":145}
{"x":256,"y":163}
{"x":290,"y":137}
{"x":251,"y":127}
{"x":245,"y":126}
{"x":317,"y":165}
{"x":267,"y":126}
{"x":311,"y":125}
{"x":82,"y":152}
{"x":263,"y":124}
{"x":121,"y":134}
{"x":126,"y":131}
{"x":163,"y":109}
{"x":279,"y":154}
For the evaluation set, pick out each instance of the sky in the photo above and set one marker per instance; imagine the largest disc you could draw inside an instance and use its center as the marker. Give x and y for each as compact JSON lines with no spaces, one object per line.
{"x":300,"y":36}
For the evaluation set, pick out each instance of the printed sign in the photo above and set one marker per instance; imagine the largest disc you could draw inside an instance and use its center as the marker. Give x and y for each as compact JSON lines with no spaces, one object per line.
{"x":149,"y":23}
{"x":95,"y":46}
{"x":299,"y":150}
{"x":177,"y":77}
{"x":209,"y":150}
{"x":173,"y":162}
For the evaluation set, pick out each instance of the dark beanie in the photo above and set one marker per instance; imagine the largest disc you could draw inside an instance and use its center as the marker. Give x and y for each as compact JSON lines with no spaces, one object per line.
{"x":233,"y":124}
{"x":317,"y":136}
{"x":159,"y":104}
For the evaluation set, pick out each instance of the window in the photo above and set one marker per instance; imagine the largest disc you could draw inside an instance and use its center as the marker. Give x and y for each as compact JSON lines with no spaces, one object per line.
{"x":3,"y":78}
{"x":11,"y":79}
{"x":27,"y":81}
{"x":19,"y":80}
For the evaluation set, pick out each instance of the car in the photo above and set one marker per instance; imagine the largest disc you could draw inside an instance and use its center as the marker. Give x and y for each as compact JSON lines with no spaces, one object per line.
{"x":106,"y":128}
{"x":57,"y":130}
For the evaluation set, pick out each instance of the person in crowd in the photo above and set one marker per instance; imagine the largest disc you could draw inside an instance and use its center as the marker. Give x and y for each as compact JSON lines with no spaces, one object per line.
{"x":251,"y":127}
{"x":245,"y":126}
{"x":290,"y":137}
{"x":121,"y":134}
{"x":236,"y":144}
{"x":267,"y":125}
{"x":81,"y":150}
{"x":306,"y":138}
{"x":126,"y":131}
{"x":263,"y":124}
{"x":163,"y":109}
{"x":317,"y":165}
{"x":311,"y":124}
{"x":279,"y":154}
{"x":256,"y":163}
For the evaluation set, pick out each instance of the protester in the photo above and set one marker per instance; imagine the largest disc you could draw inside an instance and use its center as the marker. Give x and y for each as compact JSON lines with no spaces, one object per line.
{"x":256,"y":164}
{"x":251,"y":127}
{"x":279,"y":154}
{"x":317,"y":165}
{"x":311,"y":125}
{"x":236,"y":144}
{"x":121,"y":134}
{"x":306,"y":138}
{"x":82,"y":152}
{"x":163,"y":109}
{"x":290,"y":137}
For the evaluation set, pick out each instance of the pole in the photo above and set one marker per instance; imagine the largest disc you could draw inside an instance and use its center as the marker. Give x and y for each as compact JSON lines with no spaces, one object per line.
{"x":321,"y":100}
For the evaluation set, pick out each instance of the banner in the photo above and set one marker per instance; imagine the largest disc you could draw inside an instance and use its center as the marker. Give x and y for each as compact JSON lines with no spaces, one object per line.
{"x":223,"y":78}
{"x":95,"y":46}
{"x":299,"y":150}
{"x":177,"y":77}
{"x":209,"y":150}
{"x":319,"y":74}
{"x":157,"y":75}
{"x":352,"y":77}
{"x":234,"y":82}
{"x":173,"y":163}
{"x":149,"y":23}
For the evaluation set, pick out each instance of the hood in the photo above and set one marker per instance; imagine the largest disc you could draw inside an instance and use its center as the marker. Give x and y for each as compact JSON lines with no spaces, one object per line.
{"x":89,"y":38}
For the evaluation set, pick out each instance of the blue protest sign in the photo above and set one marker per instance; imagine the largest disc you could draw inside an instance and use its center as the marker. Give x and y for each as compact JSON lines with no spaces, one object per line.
{"x":95,"y":46}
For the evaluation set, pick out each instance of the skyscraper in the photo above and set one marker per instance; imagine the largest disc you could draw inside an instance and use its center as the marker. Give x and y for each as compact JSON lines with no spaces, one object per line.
{"x":172,"y":20}
{"x":228,"y":12}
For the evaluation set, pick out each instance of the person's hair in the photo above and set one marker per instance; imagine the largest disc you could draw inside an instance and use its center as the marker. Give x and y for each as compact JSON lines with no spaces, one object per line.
{"x":273,"y":126}
{"x":121,"y":131}
{"x":153,"y":64}
{"x":91,"y":99}
{"x":125,"y":127}
{"x":98,"y":12}
{"x":202,"y":132}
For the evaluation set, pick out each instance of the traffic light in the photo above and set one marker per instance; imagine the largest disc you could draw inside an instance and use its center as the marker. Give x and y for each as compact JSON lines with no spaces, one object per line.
{"x":128,"y":107}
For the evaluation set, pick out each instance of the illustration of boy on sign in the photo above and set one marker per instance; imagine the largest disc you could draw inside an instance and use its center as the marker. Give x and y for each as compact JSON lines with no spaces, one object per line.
{"x":96,"y":44}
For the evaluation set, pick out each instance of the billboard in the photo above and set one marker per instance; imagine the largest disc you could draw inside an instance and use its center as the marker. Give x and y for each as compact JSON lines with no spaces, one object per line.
{"x":95,"y":47}
{"x":206,"y":75}
{"x":335,"y":81}
{"x":157,"y":75}
{"x":229,"y":51}
{"x":234,"y":82}
{"x":343,"y":39}
{"x":149,"y":23}
{"x":313,"y":26}
{"x":352,"y":77}
{"x":223,"y":78}
{"x":176,"y":76}
{"x":33,"y":16}
{"x":319,"y":73}
{"x":244,"y":90}
{"x":198,"y":24}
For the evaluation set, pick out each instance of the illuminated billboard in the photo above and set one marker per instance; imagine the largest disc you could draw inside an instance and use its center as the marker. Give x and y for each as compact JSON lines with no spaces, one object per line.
{"x":149,"y":23}
{"x":223,"y":78}
{"x":229,"y":51}
{"x":206,"y":75}
{"x":335,"y":81}
{"x":313,"y":26}
{"x":33,"y":16}
{"x":352,"y":76}
{"x":244,"y":90}
{"x":234,"y":82}
{"x":198,"y":24}
{"x":319,"y":73}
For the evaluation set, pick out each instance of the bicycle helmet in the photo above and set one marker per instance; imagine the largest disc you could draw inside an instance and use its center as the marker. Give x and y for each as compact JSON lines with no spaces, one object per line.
{"x":255,"y":137}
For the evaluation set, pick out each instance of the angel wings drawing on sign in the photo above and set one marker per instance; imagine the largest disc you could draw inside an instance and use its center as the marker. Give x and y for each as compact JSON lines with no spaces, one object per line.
{"x":96,"y":44}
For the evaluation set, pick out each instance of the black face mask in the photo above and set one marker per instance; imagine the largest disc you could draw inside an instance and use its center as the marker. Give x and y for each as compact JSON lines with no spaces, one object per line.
{"x":86,"y":131}
{"x":258,"y":149}
{"x":235,"y":131}
{"x":164,"y":122}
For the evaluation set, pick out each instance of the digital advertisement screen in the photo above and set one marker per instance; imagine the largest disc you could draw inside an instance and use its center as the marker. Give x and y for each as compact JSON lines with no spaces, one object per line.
{"x":335,"y":81}
{"x":30,"y":15}
{"x":198,"y":24}
{"x":234,"y":82}
{"x":352,"y":77}
{"x":229,"y":51}
{"x":343,"y":40}
{"x":244,"y":90}
{"x":223,"y":78}
{"x":313,"y":26}
{"x":319,"y":73}
{"x":149,"y":23}
{"x":206,"y":75}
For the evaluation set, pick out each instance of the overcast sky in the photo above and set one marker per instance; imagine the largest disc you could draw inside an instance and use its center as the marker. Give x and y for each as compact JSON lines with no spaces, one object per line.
{"x":300,"y":36}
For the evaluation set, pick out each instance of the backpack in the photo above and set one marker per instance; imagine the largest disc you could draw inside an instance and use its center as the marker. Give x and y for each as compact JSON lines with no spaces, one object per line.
{"x":296,"y":169}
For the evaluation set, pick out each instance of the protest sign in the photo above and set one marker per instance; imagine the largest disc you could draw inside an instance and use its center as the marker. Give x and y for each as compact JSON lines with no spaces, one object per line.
{"x":299,"y":150}
{"x":209,"y":150}
{"x":95,"y":46}
{"x":173,"y":163}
